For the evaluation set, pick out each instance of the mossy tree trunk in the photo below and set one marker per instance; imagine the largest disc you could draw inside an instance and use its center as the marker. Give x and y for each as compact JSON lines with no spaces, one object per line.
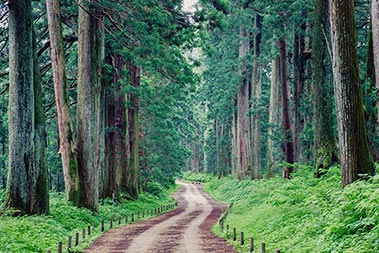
{"x":325,"y":148}
{"x":64,"y":119}
{"x":299,"y":83}
{"x":115,"y":169}
{"x":133,"y":118}
{"x":88,"y":104}
{"x":256,"y":170}
{"x":27,"y":175}
{"x":288,"y":144}
{"x":353,"y":144}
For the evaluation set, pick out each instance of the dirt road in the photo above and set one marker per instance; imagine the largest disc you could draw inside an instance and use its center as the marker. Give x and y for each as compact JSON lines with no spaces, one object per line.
{"x":186,"y":229}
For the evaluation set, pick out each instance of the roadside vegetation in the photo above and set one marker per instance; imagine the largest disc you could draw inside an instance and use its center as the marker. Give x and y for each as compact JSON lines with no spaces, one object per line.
{"x":303,"y":214}
{"x":42,"y":233}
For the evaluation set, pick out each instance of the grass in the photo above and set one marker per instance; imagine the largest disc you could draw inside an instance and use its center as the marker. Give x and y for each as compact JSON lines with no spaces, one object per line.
{"x":303,"y":214}
{"x":41,"y":233}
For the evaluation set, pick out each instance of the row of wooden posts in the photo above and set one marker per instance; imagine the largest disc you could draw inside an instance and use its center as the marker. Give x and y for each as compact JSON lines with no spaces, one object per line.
{"x":74,"y":241}
{"x":242,"y":239}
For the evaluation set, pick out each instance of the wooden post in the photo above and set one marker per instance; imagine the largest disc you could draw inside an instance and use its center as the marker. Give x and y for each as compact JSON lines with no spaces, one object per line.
{"x":263,"y":248}
{"x":242,"y":239}
{"x":126,"y":219}
{"x":69,"y":242}
{"x":227,"y":230}
{"x":59,"y":247}
{"x":138,"y":215}
{"x":84,"y":234}
{"x":76,"y":239}
{"x":234,"y":234}
{"x":119,"y":220}
{"x":251,"y":244}
{"x":102,"y":226}
{"x":143,"y":214}
{"x":132,"y":217}
{"x":110,"y":223}
{"x":89,"y":230}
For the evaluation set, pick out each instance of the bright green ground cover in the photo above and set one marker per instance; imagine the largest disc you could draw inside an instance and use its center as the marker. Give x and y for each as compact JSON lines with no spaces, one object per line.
{"x":302,"y":214}
{"x":40,"y":233}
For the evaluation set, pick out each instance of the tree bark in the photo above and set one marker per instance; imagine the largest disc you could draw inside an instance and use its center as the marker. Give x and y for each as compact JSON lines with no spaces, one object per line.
{"x":64,"y":119}
{"x":299,"y":79}
{"x":256,"y":170}
{"x":243,"y":119}
{"x":353,"y":144}
{"x":133,"y":132}
{"x":88,"y":105}
{"x":274,"y":150}
{"x":375,"y":43}
{"x":325,"y":148}
{"x":288,"y":145}
{"x":26,"y":121}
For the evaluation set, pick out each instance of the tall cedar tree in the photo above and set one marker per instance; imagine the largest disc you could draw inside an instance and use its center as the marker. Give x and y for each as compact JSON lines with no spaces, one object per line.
{"x":27,"y":186}
{"x":353,"y":144}
{"x":288,"y":144}
{"x":64,"y":119}
{"x":88,"y":105}
{"x":325,"y":148}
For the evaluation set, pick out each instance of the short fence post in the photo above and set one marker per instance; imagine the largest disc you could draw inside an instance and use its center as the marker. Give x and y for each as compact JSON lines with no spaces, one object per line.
{"x":263,"y":248}
{"x":138,"y":215}
{"x":76,"y":239}
{"x":126,"y":219}
{"x":242,"y":239}
{"x":132,"y":217}
{"x":59,"y":247}
{"x":234,"y":234}
{"x":69,"y":242}
{"x":119,"y":220}
{"x":227,"y":230}
{"x":84,"y":234}
{"x":143,"y":214}
{"x":89,"y":229}
{"x":102,"y":226}
{"x":251,"y":244}
{"x":110,"y":223}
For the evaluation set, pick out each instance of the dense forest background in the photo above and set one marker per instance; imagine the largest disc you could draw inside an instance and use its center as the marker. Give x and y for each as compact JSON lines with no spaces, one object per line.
{"x":104,"y":98}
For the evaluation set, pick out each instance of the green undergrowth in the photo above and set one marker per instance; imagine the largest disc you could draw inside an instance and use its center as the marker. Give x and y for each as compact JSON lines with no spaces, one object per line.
{"x":41,"y":233}
{"x":302,"y":214}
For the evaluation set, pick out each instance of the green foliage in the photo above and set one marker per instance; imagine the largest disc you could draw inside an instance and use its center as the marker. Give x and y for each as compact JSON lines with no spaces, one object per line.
{"x":303,"y":214}
{"x":40,"y":233}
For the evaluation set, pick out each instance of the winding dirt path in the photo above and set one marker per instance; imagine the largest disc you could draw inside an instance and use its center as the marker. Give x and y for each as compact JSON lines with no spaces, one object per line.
{"x":185,"y":229}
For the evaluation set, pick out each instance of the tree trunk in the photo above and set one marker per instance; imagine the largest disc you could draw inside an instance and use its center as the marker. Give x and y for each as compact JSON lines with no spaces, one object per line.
{"x":64,"y":119}
{"x":299,"y":79}
{"x":133,"y":132}
{"x":353,"y":144}
{"x":274,"y":150}
{"x":234,"y":155}
{"x":325,"y":149}
{"x":26,"y":121}
{"x":375,"y":43}
{"x":40,"y":142}
{"x":288,"y":145}
{"x":88,"y":105}
{"x":243,"y":118}
{"x":256,"y":171}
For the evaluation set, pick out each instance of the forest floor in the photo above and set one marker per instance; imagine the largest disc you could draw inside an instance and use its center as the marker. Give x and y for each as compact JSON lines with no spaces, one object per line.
{"x":185,"y":229}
